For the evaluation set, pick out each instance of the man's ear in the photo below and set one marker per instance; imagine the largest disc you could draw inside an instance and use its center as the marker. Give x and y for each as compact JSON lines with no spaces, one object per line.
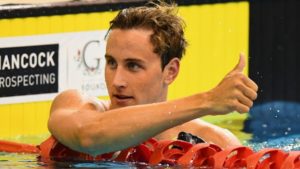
{"x":171,"y":70}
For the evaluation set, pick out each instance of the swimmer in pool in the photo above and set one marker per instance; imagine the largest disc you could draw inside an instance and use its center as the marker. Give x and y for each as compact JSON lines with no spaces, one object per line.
{"x":143,"y":52}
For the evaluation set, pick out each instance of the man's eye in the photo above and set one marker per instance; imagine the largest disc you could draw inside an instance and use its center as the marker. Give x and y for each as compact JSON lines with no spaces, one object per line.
{"x":111,"y":63}
{"x":133,"y":66}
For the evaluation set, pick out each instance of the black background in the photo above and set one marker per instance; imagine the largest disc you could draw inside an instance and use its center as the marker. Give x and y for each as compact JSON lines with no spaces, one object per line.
{"x":35,"y":89}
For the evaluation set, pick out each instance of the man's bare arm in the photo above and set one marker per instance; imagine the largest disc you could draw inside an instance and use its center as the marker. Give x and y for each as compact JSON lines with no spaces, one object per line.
{"x":75,"y":121}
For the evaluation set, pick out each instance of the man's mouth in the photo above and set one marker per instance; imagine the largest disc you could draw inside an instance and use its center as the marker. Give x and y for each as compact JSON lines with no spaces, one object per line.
{"x":122,"y":97}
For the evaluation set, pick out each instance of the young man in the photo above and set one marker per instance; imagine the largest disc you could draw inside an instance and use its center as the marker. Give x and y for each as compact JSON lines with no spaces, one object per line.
{"x":144,"y":48}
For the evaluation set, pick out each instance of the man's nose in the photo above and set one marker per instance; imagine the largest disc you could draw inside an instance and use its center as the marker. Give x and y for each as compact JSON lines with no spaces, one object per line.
{"x":119,"y":80}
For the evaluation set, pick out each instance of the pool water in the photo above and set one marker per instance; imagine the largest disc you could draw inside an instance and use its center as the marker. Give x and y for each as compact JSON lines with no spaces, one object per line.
{"x":29,"y":161}
{"x":273,"y":125}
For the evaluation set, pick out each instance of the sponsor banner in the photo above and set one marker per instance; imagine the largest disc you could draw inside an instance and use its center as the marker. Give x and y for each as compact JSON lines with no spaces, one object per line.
{"x":28,"y":70}
{"x":86,"y":64}
{"x":37,"y":68}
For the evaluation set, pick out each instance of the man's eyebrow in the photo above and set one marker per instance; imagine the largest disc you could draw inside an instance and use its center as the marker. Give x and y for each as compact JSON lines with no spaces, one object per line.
{"x":107,"y":56}
{"x":134,"y":60}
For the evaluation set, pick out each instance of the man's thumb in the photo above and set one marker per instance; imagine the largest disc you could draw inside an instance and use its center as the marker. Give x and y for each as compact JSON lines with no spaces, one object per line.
{"x":241,"y":64}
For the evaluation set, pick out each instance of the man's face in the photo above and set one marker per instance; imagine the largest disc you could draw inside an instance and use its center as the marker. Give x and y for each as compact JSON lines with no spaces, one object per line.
{"x":133,"y":71}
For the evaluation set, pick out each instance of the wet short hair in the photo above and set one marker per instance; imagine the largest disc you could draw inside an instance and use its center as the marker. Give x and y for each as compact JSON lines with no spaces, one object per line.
{"x":162,"y":18}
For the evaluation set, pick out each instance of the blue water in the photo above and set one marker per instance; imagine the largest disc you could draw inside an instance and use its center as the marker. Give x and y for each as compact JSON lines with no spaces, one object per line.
{"x":274,"y":124}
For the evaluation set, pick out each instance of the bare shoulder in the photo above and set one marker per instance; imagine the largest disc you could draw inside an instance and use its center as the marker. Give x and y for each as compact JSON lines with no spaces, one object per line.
{"x":66,"y":99}
{"x":207,"y":131}
{"x":75,"y":100}
{"x":201,"y":123}
{"x":215,"y":134}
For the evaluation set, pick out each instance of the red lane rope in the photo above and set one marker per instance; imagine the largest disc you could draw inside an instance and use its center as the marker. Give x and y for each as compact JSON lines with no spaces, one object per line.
{"x":199,"y":155}
{"x":292,"y":160}
{"x":266,"y":158}
{"x":170,"y":152}
{"x":12,"y":147}
{"x":165,"y":152}
{"x":234,"y":157}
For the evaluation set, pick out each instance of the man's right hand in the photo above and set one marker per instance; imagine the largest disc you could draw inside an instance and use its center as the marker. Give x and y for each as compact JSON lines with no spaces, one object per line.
{"x":236,"y":92}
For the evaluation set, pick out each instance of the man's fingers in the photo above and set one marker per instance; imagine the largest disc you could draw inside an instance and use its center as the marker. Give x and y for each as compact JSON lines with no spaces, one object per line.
{"x":250,"y":94}
{"x":245,"y":97}
{"x":247,"y":91}
{"x":250,"y":83}
{"x":240,"y":65}
{"x":241,"y":108}
{"x":245,"y":100}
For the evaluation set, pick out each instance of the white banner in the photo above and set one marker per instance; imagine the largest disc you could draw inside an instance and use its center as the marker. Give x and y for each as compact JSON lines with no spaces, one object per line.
{"x":37,"y":68}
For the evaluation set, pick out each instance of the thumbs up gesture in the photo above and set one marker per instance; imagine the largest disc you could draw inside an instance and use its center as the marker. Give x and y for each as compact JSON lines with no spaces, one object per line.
{"x":240,"y":65}
{"x":236,"y":92}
